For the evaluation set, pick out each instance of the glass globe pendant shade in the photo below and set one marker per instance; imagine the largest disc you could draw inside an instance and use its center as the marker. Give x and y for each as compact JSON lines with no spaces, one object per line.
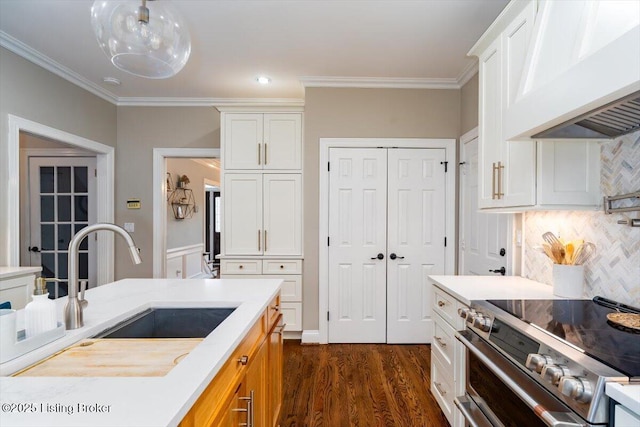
{"x":156,"y":49}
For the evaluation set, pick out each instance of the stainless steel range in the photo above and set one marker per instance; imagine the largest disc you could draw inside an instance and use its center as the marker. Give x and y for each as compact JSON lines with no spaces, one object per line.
{"x":544,"y":362}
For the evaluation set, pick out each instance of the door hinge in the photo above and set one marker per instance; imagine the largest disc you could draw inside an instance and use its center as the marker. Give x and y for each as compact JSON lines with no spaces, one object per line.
{"x":445,"y":166}
{"x":328,"y":241}
{"x":327,"y":316}
{"x":328,"y":166}
{"x":445,"y":242}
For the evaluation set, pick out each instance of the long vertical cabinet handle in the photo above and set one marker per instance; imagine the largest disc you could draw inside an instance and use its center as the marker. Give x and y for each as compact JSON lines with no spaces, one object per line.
{"x":500,"y":178}
{"x":265,"y":241}
{"x":259,"y":241}
{"x":493,"y":181}
{"x":259,"y":154}
{"x":265,"y":153}
{"x":249,"y":410}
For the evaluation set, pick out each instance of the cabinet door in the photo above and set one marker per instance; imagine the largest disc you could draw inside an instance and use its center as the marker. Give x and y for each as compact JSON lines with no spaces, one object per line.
{"x":275,"y":372}
{"x":242,"y":200}
{"x":237,"y":412}
{"x":282,"y":214}
{"x":243,"y":138}
{"x":569,"y":173}
{"x":517,"y":177}
{"x":256,"y":387}
{"x":490,"y":125}
{"x":282,"y":141}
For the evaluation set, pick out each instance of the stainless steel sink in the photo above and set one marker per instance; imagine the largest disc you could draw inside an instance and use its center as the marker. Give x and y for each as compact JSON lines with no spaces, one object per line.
{"x":169,"y":323}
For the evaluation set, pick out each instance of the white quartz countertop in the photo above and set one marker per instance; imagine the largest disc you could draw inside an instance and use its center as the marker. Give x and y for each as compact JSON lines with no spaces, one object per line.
{"x":628,"y":395}
{"x":133,"y":401}
{"x":7,"y":272}
{"x":468,"y":288}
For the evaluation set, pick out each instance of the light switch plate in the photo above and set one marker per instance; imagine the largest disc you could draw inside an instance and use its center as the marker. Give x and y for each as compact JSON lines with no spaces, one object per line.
{"x":129,"y":227}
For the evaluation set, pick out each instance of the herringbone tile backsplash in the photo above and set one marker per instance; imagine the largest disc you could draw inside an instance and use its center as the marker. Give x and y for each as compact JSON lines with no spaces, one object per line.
{"x":614,"y":272}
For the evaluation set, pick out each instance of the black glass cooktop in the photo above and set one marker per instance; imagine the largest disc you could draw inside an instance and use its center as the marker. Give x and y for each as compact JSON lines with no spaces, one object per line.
{"x":584,"y":324}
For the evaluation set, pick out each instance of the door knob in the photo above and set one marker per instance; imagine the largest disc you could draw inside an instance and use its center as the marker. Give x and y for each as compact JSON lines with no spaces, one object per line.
{"x":502,"y":252}
{"x":33,"y":249}
{"x":394,"y":256}
{"x":502,"y":271}
{"x":379,"y":256}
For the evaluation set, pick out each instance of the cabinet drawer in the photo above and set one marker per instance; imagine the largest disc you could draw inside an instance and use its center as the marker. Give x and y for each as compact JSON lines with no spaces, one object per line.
{"x":292,"y":315}
{"x":241,"y":266}
{"x":443,"y":342}
{"x":445,"y":305}
{"x":289,"y":266}
{"x":441,"y":388}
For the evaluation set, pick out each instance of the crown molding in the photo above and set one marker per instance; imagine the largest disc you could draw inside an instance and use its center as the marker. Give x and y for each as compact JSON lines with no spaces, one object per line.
{"x":468,"y":73}
{"x":380,"y":82}
{"x":32,"y":55}
{"x":209,"y":102}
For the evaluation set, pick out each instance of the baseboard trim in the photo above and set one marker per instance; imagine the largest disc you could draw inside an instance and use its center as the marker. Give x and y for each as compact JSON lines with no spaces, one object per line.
{"x":292,"y":335}
{"x":311,"y":337}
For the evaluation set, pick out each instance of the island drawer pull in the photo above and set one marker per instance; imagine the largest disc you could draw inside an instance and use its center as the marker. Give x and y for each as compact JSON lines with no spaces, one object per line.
{"x":276,"y":307}
{"x":243,"y":360}
{"x":281,"y":328}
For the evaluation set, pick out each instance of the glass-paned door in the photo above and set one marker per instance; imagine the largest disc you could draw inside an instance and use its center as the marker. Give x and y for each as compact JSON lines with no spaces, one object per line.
{"x":62,"y":202}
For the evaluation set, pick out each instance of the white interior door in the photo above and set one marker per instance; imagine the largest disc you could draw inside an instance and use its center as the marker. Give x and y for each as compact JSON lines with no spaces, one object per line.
{"x":386,"y":231}
{"x":357,"y":234}
{"x":62,"y":202}
{"x":416,"y":232}
{"x":484,"y":237}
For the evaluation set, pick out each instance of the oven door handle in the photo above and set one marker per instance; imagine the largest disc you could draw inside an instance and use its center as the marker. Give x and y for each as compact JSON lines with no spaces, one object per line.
{"x":466,"y":407}
{"x":547,"y":417}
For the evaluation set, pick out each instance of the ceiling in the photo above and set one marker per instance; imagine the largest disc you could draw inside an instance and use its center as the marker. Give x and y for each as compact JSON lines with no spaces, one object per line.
{"x":297,"y":43}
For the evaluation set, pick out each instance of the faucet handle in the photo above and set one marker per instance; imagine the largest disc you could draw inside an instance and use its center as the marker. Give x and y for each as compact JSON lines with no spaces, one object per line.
{"x":83,"y":287}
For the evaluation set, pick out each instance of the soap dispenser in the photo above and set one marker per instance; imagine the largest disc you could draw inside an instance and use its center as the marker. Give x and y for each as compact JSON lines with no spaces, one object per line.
{"x":40,"y":314}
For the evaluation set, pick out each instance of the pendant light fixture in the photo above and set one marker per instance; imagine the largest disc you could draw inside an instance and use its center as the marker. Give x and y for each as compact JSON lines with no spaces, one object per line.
{"x":144,"y":40}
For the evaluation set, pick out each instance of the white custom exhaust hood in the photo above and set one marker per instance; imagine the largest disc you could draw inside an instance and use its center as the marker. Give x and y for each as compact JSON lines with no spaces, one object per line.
{"x":583,"y":59}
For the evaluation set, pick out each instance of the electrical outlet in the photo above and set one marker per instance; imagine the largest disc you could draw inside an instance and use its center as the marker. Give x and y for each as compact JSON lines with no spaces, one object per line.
{"x":129,"y":227}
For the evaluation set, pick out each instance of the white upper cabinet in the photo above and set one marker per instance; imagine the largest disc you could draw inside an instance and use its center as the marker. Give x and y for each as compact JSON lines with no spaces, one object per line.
{"x":262,"y":141}
{"x":507,"y":170}
{"x":263,"y":214}
{"x":524,"y":174}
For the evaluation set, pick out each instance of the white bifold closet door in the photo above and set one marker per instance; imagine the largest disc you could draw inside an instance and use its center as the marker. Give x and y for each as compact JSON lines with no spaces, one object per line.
{"x":386,"y":231}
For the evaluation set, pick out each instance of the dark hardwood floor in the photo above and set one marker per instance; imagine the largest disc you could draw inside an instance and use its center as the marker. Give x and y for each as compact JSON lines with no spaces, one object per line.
{"x":367,"y":385}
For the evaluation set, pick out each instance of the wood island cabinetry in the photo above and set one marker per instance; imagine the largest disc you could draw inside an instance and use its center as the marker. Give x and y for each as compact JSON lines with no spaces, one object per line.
{"x":248,"y":388}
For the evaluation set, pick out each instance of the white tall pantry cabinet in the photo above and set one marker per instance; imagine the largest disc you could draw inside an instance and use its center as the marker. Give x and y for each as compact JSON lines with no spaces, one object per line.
{"x":262,"y":201}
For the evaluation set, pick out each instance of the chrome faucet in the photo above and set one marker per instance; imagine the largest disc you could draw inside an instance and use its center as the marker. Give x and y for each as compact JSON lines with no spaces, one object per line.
{"x":75,"y":305}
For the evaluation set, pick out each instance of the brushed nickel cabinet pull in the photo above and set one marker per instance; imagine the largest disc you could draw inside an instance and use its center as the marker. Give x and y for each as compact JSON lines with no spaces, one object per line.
{"x":259,"y":241}
{"x":265,"y":241}
{"x":275,"y":307}
{"x":259,"y":153}
{"x":265,"y":153}
{"x":438,"y":387}
{"x":243,"y":360}
{"x":442,"y":343}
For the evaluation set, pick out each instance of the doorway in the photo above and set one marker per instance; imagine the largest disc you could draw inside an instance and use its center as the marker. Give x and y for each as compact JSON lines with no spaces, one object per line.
{"x":387,"y":212}
{"x":485,"y":238}
{"x":161,"y":210}
{"x":16,"y":172}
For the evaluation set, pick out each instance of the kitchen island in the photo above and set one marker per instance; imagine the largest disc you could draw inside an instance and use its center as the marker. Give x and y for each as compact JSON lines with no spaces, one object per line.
{"x":134,"y":401}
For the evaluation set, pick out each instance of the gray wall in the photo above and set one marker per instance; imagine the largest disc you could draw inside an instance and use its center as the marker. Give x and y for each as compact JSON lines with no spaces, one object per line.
{"x":362,"y":113}
{"x":31,"y":92}
{"x":189,"y":231}
{"x":469,"y":105}
{"x":140,"y":130}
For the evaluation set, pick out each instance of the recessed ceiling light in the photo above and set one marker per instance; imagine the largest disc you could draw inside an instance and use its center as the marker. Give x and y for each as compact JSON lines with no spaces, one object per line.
{"x":111,"y":81}
{"x":263,"y":80}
